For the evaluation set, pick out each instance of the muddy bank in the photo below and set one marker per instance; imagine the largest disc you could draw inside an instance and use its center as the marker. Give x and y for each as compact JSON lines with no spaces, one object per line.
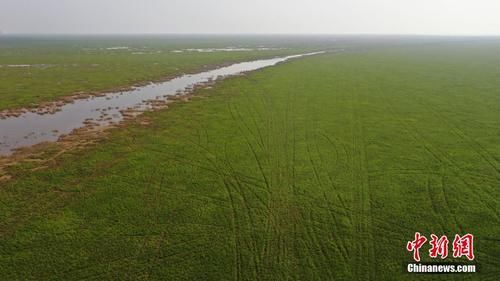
{"x":79,"y":119}
{"x":44,"y":154}
{"x":50,"y":107}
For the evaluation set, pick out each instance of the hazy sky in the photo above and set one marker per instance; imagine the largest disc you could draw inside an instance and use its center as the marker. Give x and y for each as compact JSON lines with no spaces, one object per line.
{"x":479,"y":17}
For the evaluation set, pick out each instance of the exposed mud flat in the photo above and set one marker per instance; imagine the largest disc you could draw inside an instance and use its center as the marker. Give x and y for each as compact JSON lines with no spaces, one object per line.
{"x":43,"y":155}
{"x":77,"y":120}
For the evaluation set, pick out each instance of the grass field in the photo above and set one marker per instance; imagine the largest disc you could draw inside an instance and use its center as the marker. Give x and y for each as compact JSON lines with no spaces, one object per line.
{"x":60,"y":66}
{"x":321,"y":168}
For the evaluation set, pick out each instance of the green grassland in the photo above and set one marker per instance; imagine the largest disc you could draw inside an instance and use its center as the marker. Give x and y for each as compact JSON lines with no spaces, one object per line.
{"x":63,"y":65}
{"x":321,"y":168}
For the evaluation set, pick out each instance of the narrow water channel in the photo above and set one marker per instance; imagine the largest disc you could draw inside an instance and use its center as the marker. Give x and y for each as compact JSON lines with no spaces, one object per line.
{"x":33,"y":128}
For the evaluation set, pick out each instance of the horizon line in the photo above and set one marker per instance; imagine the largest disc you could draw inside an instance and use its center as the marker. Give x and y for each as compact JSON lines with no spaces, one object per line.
{"x":244,"y":34}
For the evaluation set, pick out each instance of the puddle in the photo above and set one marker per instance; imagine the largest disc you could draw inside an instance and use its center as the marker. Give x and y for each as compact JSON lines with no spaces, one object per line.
{"x":117,"y":48}
{"x":227,"y":49}
{"x":31,"y":128}
{"x":15,"y":65}
{"x":26,"y":65}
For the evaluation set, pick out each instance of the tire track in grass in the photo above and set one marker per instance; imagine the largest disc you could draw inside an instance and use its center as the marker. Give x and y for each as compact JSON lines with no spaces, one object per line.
{"x":239,"y":182}
{"x":472,"y":143}
{"x":235,"y":188}
{"x":444,"y":159}
{"x":164,"y":233}
{"x":364,"y":259}
{"x":252,"y":149}
{"x":460,"y":174}
{"x":434,"y":204}
{"x":218,"y":170}
{"x":317,"y":241}
{"x":329,"y":175}
{"x":235,"y":234}
{"x":489,"y":258}
{"x":271,"y":249}
{"x":251,"y":223}
{"x":254,"y":114}
{"x":304,"y":234}
{"x":137,"y":258}
{"x":226,"y":177}
{"x":339,"y":197}
{"x":338,"y":244}
{"x":281,"y":157}
{"x":455,"y":169}
{"x":154,"y":206}
{"x":244,"y":129}
{"x":279,"y":196}
{"x":59,"y":199}
{"x":312,"y":245}
{"x":290,"y":150}
{"x":411,"y":130}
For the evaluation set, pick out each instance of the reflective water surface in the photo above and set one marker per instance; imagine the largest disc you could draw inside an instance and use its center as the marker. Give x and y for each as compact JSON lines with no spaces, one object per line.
{"x":32,"y":128}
